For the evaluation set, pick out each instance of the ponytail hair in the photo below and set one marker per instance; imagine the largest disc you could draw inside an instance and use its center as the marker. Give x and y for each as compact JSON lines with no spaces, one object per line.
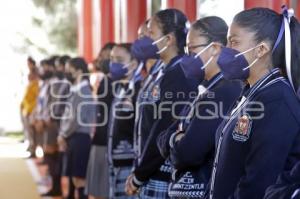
{"x":267,"y":25}
{"x":214,"y":28}
{"x":173,"y":20}
{"x":295,"y":45}
{"x":79,"y":63}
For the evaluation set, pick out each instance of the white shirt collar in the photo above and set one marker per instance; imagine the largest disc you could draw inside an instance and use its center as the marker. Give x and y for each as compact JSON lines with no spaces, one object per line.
{"x":78,"y":86}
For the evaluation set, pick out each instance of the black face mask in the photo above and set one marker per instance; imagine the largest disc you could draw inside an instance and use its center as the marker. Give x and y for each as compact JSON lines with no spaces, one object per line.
{"x":46,"y":75}
{"x":69,"y":77}
{"x":59,"y":74}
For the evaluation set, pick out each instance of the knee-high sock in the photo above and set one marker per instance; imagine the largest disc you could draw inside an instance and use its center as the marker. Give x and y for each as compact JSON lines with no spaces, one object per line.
{"x":71,"y":191}
{"x":81,"y":193}
{"x":54,"y":165}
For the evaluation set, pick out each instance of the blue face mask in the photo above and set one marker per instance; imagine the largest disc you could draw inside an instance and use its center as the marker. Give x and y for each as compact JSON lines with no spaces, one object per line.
{"x":117,"y":70}
{"x":234,"y":65}
{"x":192,"y":65}
{"x":143,"y":49}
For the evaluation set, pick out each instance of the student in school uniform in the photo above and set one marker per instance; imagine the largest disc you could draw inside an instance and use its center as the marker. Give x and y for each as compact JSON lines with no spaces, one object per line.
{"x":127,"y":76}
{"x":61,"y":91}
{"x":260,"y":137}
{"x":189,"y":142}
{"x":46,"y":126}
{"x":28,"y":105}
{"x":51,"y":150}
{"x":45,"y":74}
{"x":151,"y":67}
{"x":167,"y":29}
{"x":76,"y":126}
{"x":97,"y":172}
{"x":96,"y":72}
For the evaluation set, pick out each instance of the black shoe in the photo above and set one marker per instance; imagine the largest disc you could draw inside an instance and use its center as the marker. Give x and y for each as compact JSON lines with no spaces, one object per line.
{"x":52,"y":193}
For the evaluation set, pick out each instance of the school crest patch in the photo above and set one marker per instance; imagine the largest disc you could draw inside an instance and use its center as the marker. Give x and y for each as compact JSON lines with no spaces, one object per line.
{"x":242,"y":128}
{"x":155,"y":93}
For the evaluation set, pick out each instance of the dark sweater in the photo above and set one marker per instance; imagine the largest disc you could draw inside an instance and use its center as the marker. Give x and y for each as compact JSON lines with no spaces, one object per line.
{"x":173,"y":82}
{"x":105,"y":97}
{"x":257,"y":144}
{"x":121,"y":127}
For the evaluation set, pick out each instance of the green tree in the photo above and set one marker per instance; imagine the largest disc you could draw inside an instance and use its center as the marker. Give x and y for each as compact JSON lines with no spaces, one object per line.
{"x":59,"y":21}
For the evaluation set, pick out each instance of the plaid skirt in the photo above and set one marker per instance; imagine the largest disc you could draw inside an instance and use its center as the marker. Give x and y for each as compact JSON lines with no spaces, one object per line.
{"x":119,"y":179}
{"x":154,"y":189}
{"x":97,"y":172}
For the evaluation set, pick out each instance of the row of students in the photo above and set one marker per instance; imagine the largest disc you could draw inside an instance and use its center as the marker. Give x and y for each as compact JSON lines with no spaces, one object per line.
{"x":237,"y":154}
{"x":207,"y":111}
{"x":167,"y":30}
{"x":56,"y":100}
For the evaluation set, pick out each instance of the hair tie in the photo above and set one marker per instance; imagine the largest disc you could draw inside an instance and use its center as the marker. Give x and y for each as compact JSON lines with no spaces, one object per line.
{"x":187,"y":26}
{"x":285,"y":13}
{"x":288,"y":14}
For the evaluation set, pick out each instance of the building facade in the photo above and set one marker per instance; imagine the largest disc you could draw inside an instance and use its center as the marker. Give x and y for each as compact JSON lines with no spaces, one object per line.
{"x":102,"y":21}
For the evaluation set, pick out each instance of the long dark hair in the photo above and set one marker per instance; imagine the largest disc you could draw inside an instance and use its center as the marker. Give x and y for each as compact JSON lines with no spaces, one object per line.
{"x":213,"y":28}
{"x":266,"y":23}
{"x":173,"y":20}
{"x":127,"y":47}
{"x":63,"y":59}
{"x":78,"y":63}
{"x":108,"y":46}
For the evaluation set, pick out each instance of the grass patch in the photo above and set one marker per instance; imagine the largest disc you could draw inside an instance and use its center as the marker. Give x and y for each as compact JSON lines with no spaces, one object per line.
{"x":18,"y":135}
